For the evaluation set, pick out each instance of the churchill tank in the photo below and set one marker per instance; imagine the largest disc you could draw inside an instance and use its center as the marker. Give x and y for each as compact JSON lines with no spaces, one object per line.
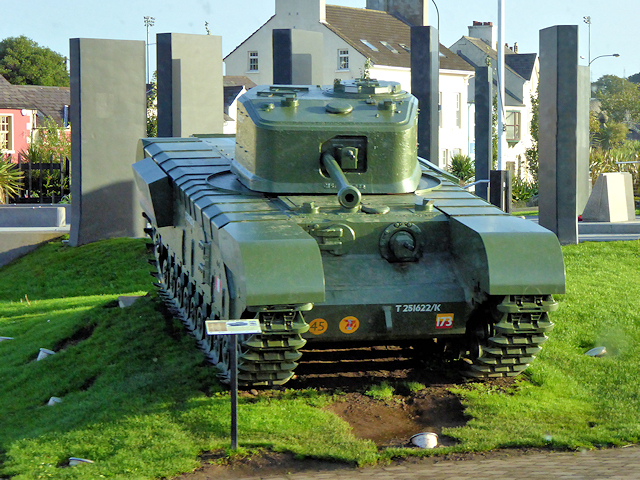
{"x":319,"y":220}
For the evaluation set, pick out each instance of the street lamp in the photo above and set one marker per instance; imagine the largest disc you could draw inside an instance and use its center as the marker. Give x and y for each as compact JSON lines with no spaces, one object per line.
{"x":600,"y":56}
{"x":437,"y":12}
{"x":587,"y":20}
{"x":148,"y":22}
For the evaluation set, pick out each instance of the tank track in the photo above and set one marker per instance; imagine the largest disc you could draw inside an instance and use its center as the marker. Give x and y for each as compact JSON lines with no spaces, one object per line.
{"x":264,"y":359}
{"x":505,"y":346}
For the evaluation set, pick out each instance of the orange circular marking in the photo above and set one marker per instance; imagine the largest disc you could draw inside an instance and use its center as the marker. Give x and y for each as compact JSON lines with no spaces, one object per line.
{"x":318,"y":326}
{"x":349,"y":325}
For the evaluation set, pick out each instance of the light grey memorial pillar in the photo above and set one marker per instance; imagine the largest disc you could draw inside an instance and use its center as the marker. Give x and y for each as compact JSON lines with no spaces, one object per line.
{"x":108,"y":118}
{"x":563,"y":133}
{"x":190,"y":91}
{"x":425,"y":77}
{"x":297,"y":57}
{"x":483,"y":128}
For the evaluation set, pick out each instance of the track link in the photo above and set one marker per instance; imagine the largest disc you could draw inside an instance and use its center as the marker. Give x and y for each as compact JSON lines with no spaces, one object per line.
{"x":264,"y":359}
{"x":510,"y":345}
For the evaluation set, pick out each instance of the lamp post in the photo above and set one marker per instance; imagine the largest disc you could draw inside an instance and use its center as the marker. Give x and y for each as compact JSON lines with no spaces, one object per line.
{"x":437,"y":13}
{"x":600,"y":56}
{"x":587,"y":20}
{"x":148,"y":22}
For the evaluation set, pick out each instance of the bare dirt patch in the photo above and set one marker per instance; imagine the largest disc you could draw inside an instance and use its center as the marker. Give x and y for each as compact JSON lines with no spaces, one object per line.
{"x":388,"y":423}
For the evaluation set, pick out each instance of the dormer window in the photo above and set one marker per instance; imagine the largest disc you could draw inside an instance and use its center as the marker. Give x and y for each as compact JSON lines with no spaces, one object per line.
{"x":369,"y":44}
{"x":405,"y":47}
{"x":389,"y":46}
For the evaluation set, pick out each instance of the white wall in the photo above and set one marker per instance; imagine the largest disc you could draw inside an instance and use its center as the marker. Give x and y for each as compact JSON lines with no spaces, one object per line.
{"x":303,"y":15}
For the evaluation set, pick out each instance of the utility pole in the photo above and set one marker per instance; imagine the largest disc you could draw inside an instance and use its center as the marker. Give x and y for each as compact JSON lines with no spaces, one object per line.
{"x":501,"y":85}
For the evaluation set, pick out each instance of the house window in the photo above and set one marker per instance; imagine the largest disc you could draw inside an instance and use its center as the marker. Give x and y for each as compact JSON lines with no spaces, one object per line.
{"x":253,"y":61}
{"x":343,"y":59}
{"x":459,"y":110}
{"x":512,"y":125}
{"x":6,"y":140}
{"x":444,"y":158}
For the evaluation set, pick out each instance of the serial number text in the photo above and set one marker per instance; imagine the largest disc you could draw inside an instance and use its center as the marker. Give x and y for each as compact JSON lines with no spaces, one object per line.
{"x":418,"y":308}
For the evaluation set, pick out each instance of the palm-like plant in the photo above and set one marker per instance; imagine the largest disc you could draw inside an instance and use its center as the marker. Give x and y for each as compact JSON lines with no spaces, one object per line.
{"x":10,"y":179}
{"x":462,"y":167}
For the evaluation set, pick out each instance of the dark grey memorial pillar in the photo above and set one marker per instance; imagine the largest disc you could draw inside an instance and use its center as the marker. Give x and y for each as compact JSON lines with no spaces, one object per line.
{"x":483,"y":129}
{"x":108,"y":118}
{"x":297,"y":57}
{"x":425,"y":71}
{"x":190,"y":91}
{"x":563,"y":133}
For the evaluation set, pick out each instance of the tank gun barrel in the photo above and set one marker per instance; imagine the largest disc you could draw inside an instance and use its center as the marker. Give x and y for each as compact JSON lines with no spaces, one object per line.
{"x":348,"y":195}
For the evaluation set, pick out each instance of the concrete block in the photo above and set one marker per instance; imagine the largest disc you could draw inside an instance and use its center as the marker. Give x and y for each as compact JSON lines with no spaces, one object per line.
{"x":16,"y":242}
{"x":297,"y":57}
{"x":611,"y":199}
{"x":564,"y":132}
{"x":425,"y":86}
{"x":190,"y":92}
{"x":108,"y":114}
{"x":29,"y":216}
{"x":483,"y":128}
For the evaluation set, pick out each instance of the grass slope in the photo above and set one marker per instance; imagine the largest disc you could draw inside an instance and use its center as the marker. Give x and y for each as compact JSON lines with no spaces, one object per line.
{"x":138,"y":398}
{"x":572,"y":400}
{"x":140,"y":401}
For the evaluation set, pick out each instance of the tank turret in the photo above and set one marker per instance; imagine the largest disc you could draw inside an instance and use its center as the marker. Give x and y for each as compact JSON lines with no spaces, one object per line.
{"x":287,"y":133}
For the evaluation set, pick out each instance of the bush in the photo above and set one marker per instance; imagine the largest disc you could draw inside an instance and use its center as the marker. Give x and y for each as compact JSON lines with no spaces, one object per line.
{"x":462,"y":167}
{"x":522,"y":190}
{"x":10,"y":179}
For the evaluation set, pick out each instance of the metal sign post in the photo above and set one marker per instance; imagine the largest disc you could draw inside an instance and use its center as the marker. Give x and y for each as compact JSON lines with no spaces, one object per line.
{"x":233,"y":328}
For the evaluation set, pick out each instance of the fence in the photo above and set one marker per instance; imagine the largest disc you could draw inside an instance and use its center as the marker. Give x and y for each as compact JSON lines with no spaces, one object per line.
{"x":44,"y":182}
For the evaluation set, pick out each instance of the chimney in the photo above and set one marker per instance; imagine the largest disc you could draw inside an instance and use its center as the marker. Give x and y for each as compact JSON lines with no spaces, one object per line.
{"x":486,"y":32}
{"x":515,"y":47}
{"x":304,"y":12}
{"x":377,"y":5}
{"x":412,"y":12}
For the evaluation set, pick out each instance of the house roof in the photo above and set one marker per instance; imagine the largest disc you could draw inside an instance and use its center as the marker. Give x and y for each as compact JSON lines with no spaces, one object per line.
{"x":520,"y":64}
{"x":238,"y":81}
{"x":390,"y":37}
{"x":48,"y":101}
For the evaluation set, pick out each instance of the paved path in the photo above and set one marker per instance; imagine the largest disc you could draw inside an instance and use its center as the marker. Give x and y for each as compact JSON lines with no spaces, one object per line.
{"x":618,"y":463}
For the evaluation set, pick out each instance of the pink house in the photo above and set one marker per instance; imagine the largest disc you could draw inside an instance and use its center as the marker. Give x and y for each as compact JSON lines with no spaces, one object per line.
{"x":22,"y":107}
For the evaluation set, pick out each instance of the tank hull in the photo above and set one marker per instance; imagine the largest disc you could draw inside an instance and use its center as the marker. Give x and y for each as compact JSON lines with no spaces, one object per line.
{"x":437,"y":262}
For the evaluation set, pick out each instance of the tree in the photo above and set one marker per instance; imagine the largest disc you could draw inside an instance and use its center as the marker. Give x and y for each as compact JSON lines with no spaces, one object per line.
{"x":532,"y":152}
{"x":24,"y":62}
{"x":152,"y":107}
{"x":635,"y":78}
{"x":619,"y":98}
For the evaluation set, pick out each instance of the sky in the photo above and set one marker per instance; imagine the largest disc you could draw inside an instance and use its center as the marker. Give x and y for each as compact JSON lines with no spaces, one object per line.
{"x":614,"y":23}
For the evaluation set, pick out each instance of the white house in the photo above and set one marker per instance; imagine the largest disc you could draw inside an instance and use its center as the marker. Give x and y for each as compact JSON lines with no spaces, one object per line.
{"x":380,"y":33}
{"x":522,"y":72}
{"x":233,"y":88}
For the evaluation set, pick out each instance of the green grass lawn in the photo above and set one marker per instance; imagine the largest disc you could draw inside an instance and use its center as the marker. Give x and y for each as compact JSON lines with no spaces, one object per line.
{"x":141,"y":402}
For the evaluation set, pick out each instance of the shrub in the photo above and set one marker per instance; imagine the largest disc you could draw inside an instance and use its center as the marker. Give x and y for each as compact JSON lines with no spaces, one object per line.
{"x":10,"y":179}
{"x":522,"y":190}
{"x":462,"y":167}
